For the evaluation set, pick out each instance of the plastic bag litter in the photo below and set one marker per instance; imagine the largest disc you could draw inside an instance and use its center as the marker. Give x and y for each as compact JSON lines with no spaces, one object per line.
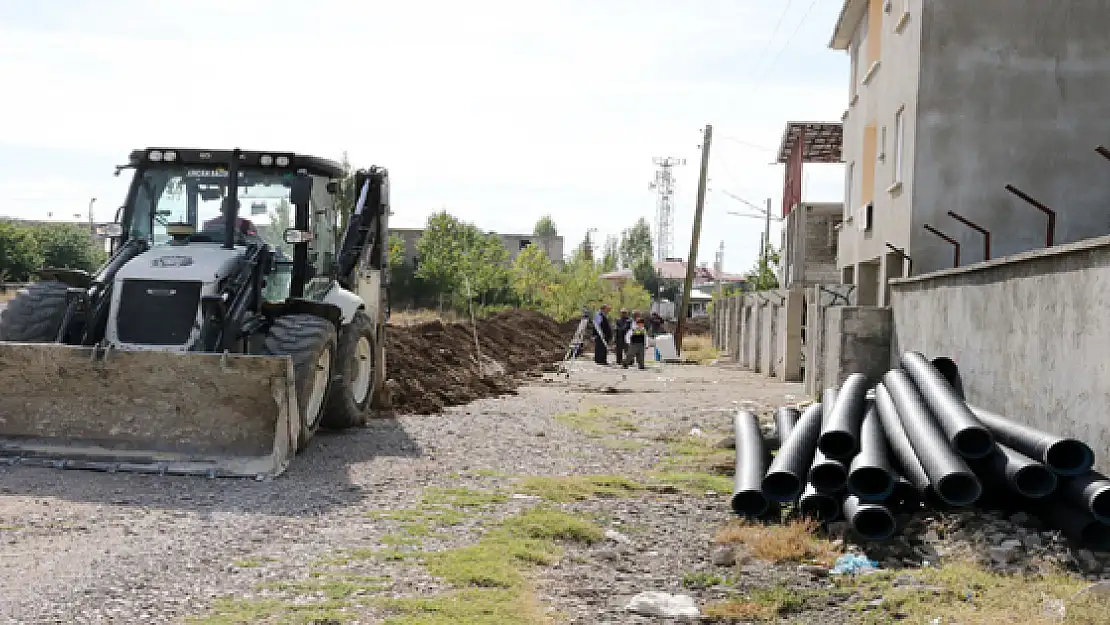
{"x":852,"y":564}
{"x":653,"y":603}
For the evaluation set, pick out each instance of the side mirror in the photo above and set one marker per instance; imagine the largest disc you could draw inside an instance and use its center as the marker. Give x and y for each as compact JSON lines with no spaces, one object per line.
{"x":292,"y":236}
{"x":332,"y":187}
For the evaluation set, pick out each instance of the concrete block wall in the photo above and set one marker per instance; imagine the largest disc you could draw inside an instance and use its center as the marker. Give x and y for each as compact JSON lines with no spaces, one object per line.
{"x":818,"y":300}
{"x":857,"y":340}
{"x":763,"y":332}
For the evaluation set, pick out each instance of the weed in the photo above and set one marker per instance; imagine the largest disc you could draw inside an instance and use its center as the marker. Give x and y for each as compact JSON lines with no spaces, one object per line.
{"x":794,"y":541}
{"x":461,"y":497}
{"x":331,"y":588}
{"x":625,"y":444}
{"x":253,"y":563}
{"x":696,"y":483}
{"x":579,"y":487}
{"x":473,"y":606}
{"x":763,"y":604}
{"x":234,"y":611}
{"x":598,"y":421}
{"x":429,"y":514}
{"x":699,"y":348}
{"x":701,"y":579}
{"x":551,"y":524}
{"x":397,"y":540}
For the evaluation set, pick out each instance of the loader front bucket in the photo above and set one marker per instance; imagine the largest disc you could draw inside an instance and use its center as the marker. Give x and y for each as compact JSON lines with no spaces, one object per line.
{"x":151,"y":412}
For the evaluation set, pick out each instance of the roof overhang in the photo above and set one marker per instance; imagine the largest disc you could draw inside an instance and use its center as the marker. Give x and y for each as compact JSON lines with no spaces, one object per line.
{"x":823,"y":143}
{"x":850,"y":15}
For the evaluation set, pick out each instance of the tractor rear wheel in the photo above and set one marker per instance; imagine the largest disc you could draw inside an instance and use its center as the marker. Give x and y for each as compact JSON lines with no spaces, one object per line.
{"x":35,"y":315}
{"x":353,"y":386}
{"x":311,"y":342}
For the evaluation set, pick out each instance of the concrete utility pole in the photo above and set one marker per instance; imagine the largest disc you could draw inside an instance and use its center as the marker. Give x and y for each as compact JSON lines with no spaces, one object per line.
{"x":719,"y":268}
{"x":692,"y":259}
{"x":766,"y":234}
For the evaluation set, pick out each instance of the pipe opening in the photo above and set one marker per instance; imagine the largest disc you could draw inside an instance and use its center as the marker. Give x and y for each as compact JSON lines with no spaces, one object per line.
{"x":837,"y":444}
{"x":958,"y":489}
{"x":903,"y":498}
{"x":1069,"y":457}
{"x":870,"y":483}
{"x":1034,"y":481}
{"x":750,"y":503}
{"x":828,"y":477}
{"x":873,"y":523}
{"x":1096,"y":535}
{"x":819,"y":507}
{"x":1099,"y":503}
{"x":974,"y":442}
{"x":781,"y":486}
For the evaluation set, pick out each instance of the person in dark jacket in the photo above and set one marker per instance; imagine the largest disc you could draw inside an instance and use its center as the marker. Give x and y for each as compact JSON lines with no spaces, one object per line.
{"x":601,"y":346}
{"x":637,"y":337}
{"x":657,"y":326}
{"x":622,"y":326}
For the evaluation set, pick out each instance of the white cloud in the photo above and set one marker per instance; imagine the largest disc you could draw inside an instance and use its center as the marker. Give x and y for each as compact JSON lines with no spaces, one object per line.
{"x":499,"y":111}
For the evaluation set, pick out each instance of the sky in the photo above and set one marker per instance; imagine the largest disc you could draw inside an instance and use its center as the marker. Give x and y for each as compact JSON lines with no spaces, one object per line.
{"x":498,"y":112}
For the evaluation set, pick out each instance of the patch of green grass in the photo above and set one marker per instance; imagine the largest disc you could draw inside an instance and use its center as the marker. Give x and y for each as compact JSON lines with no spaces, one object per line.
{"x":472,"y":606}
{"x":488,"y":473}
{"x":547,"y":523}
{"x":579,"y":487}
{"x":429,"y":514}
{"x":461,"y":497}
{"x":236,"y":611}
{"x":963,"y":592}
{"x":598,"y":421}
{"x":694,"y":482}
{"x":762,"y":604}
{"x":332,"y":588}
{"x":625,"y":444}
{"x":397,"y":540}
{"x":702,"y":579}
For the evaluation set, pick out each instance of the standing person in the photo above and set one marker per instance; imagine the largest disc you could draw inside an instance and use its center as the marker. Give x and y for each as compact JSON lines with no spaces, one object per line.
{"x":622,"y":326}
{"x":637,"y":343}
{"x":657,"y":324}
{"x":602,"y":325}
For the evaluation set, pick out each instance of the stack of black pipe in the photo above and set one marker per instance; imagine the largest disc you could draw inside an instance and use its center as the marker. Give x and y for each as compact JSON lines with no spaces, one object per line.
{"x":868,"y":453}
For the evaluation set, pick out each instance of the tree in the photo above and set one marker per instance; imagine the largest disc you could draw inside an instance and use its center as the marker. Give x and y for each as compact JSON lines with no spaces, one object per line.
{"x":545,"y":227}
{"x":764,"y":276}
{"x":20,"y":253}
{"x":281,"y":218}
{"x":347,"y":195}
{"x":532,"y":273}
{"x":485,"y":265}
{"x":611,"y":258}
{"x":441,"y":251}
{"x":68,"y":246}
{"x":636,"y":244}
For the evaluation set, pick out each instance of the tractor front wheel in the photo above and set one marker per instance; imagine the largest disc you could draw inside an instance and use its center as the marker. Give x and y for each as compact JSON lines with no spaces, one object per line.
{"x":353,"y":387}
{"x":311,"y":342}
{"x":35,"y":315}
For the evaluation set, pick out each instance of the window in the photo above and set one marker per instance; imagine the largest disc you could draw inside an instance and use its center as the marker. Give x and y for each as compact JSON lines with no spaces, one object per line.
{"x":524,"y":243}
{"x":899,"y":142}
{"x":853,"y":50}
{"x":882,"y":144}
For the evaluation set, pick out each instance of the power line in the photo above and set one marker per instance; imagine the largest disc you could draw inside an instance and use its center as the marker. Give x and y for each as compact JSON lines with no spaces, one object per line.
{"x":771,"y":39}
{"x":791,"y":37}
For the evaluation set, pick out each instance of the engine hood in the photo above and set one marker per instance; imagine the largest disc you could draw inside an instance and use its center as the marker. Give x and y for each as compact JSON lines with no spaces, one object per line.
{"x":203,"y":262}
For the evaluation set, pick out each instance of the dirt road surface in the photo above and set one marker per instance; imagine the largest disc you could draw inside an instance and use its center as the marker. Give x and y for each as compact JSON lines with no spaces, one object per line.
{"x":83,"y":547}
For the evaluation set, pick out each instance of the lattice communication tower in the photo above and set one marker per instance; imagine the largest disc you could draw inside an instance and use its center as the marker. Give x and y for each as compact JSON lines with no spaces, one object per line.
{"x":663,"y":185}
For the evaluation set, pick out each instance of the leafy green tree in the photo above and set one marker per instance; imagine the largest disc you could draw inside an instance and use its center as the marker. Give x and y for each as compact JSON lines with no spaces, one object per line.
{"x":346,"y":195}
{"x":441,"y":252}
{"x":636,"y":244}
{"x":764,"y":276}
{"x":68,"y":246}
{"x":281,"y":218}
{"x":21,"y":254}
{"x":532,"y":274}
{"x":545,"y":227}
{"x":485,"y":266}
{"x":611,"y":257}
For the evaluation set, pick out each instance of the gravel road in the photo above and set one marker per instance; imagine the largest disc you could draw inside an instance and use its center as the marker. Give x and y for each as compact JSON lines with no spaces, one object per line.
{"x":112,"y":548}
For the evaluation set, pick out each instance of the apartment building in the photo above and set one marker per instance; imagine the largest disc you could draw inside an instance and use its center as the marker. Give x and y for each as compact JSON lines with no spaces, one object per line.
{"x":949,"y":102}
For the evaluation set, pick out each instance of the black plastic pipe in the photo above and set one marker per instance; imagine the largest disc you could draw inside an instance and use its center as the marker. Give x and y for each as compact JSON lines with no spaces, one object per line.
{"x":951,"y":374}
{"x":747,"y":493}
{"x":1065,"y":456}
{"x":785,"y":478}
{"x":1090,"y":491}
{"x":871,"y":477}
{"x":1076,"y":523}
{"x":952,"y":480}
{"x":900,"y":445}
{"x":785,"y":418}
{"x":903,"y":497}
{"x":870,"y":520}
{"x":840,"y":430}
{"x":1022,"y":474}
{"x":966,"y":433}
{"x":826,"y":474}
{"x":817,"y":505}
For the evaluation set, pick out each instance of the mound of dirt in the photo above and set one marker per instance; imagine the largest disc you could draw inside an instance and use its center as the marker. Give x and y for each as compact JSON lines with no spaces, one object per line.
{"x":433,"y":365}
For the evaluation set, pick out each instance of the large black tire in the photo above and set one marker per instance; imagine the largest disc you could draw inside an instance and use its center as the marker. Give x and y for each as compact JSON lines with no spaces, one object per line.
{"x":34,"y":315}
{"x":311,"y":341}
{"x":351,"y":394}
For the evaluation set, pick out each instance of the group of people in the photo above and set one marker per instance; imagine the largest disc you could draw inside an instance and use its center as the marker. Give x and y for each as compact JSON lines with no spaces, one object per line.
{"x":629,"y":335}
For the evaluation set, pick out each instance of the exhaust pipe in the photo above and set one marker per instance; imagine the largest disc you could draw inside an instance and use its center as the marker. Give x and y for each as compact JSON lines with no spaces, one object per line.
{"x":1022,"y":474}
{"x":783,"y":481}
{"x":900,"y":444}
{"x":952,"y":480}
{"x":1065,"y":456}
{"x":840,"y":432}
{"x":871,"y":476}
{"x":1090,"y":492}
{"x":967,"y":434}
{"x":817,"y":505}
{"x":871,"y":521}
{"x":747,"y":494}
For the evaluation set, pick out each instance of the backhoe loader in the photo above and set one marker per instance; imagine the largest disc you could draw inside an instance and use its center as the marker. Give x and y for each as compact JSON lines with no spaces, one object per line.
{"x":208,"y":344}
